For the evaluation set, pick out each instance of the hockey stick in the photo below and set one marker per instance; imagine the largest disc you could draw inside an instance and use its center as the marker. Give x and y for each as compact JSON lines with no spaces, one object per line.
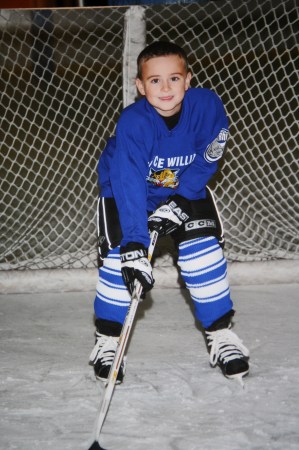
{"x":123,"y":339}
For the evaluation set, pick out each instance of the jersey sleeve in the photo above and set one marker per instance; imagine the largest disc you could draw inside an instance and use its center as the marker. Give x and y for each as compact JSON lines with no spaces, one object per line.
{"x":103,"y":167}
{"x":128,"y":178}
{"x":210,"y":144}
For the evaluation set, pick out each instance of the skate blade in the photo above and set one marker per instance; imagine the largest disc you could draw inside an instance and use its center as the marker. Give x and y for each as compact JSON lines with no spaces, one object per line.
{"x":239,"y":378}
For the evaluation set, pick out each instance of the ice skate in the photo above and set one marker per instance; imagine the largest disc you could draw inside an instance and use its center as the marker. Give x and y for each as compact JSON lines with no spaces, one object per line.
{"x":102,"y":357}
{"x":228,"y":352}
{"x":226,"y":349}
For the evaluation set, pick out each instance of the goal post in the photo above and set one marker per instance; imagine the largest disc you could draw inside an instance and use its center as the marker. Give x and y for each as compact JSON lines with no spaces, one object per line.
{"x":67,"y":73}
{"x":134,"y":42}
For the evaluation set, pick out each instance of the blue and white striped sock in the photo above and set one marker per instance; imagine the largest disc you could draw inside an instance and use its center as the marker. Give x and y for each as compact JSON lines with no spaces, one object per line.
{"x":204,"y":270}
{"x":112,"y":297}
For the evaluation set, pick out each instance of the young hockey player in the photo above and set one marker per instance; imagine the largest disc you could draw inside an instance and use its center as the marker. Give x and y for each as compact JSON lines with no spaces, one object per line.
{"x":153,"y":175}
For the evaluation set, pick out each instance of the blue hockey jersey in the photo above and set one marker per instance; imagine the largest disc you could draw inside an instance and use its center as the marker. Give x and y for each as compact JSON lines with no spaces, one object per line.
{"x":146,"y":162}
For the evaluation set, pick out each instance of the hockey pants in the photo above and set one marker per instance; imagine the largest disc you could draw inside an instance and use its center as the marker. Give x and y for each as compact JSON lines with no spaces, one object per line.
{"x":203,"y":268}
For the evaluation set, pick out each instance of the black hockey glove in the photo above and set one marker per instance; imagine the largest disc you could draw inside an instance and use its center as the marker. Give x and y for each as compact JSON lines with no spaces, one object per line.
{"x":135,"y":265}
{"x":170,"y":215}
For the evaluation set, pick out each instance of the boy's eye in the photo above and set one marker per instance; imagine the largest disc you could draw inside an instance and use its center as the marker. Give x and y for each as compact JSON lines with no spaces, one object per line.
{"x":175,"y":78}
{"x":155,"y":81}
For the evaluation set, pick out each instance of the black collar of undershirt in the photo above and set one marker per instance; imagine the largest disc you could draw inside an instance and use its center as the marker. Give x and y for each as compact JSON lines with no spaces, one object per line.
{"x":172,"y":121}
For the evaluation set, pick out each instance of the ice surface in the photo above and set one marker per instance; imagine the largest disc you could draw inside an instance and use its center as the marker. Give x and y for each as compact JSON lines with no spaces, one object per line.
{"x":171,"y":399}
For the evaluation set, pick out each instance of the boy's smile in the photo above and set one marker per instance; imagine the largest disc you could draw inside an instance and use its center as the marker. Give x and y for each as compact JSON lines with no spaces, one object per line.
{"x":164,"y":82}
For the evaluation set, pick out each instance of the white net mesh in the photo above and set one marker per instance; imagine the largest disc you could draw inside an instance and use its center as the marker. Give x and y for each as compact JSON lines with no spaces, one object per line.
{"x":62,"y":74}
{"x":62,"y":93}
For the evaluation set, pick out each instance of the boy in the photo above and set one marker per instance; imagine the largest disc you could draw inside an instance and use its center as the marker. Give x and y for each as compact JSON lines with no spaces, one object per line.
{"x":153,"y":176}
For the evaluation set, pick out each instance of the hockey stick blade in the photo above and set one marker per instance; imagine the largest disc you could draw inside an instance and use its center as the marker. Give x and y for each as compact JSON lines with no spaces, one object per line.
{"x":96,"y":446}
{"x":123,"y":339}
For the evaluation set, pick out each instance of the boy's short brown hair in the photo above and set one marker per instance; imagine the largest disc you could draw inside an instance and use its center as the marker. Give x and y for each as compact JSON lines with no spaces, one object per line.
{"x":160,"y":48}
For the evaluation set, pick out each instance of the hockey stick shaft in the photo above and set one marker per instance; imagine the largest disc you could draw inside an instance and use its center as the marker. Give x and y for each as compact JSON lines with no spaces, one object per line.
{"x":123,"y":339}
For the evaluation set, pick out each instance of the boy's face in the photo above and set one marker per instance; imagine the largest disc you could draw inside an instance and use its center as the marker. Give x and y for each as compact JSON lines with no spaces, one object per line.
{"x":164,"y":83}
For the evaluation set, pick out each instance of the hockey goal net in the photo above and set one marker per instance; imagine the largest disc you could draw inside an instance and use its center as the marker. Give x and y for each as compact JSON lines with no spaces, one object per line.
{"x":63,"y":87}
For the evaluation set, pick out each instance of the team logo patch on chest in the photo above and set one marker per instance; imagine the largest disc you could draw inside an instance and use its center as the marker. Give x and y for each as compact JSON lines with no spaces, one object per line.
{"x":164,"y":178}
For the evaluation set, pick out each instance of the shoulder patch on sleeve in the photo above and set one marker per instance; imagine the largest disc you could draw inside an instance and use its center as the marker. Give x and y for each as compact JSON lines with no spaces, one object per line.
{"x":215,"y":149}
